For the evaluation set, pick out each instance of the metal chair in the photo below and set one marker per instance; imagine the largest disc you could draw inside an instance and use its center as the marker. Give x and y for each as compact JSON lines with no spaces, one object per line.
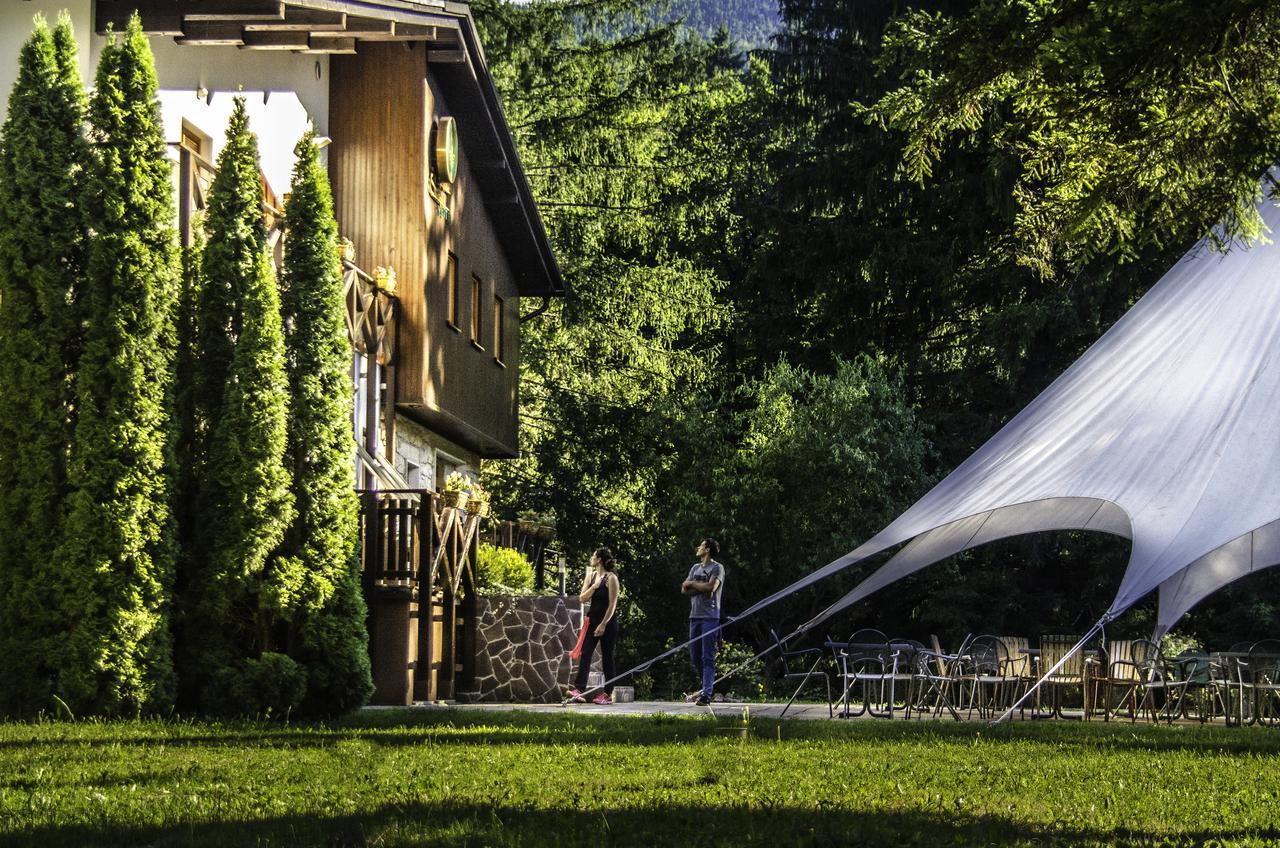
{"x":1201,"y":676}
{"x":1264,"y":685}
{"x":1232,"y":679}
{"x":802,"y":657}
{"x":863,"y":662}
{"x":985,"y":672}
{"x":1162,"y":688}
{"x":936,"y":675}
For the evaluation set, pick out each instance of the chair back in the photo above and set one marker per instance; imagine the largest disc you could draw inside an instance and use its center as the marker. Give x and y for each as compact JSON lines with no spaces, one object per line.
{"x":1264,"y":662}
{"x":868,"y":648}
{"x":988,"y":656}
{"x":1019,"y":662}
{"x":1054,"y":648}
{"x":1149,"y":661}
{"x":1194,"y":667}
{"x":1122,"y":664}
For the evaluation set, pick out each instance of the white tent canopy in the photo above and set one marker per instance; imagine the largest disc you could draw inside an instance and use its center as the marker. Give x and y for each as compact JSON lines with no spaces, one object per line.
{"x":1164,"y":432}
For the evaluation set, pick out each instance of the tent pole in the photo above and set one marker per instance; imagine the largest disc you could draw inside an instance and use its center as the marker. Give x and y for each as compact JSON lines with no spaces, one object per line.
{"x":1093,"y":631}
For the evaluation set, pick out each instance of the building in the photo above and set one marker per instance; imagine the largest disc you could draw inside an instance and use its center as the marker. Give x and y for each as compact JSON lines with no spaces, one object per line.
{"x":426,"y":182}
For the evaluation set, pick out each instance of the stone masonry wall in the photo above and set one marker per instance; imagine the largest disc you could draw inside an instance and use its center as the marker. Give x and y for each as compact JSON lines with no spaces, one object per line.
{"x":522,"y":648}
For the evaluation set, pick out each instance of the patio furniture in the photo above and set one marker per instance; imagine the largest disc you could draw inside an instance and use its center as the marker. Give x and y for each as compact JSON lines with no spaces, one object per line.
{"x":878,"y":667}
{"x":1232,"y":680}
{"x":1021,"y":666}
{"x":936,"y":673}
{"x":1264,"y":685}
{"x":1201,"y":675}
{"x":1119,"y":674}
{"x":1159,"y":682}
{"x":1072,"y":673}
{"x":985,"y":674}
{"x":801,"y":658}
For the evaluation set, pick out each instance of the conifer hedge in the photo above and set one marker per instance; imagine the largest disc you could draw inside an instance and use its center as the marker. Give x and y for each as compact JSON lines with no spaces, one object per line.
{"x":317,"y":575}
{"x":244,"y":504}
{"x":113,"y":571}
{"x":42,"y":257}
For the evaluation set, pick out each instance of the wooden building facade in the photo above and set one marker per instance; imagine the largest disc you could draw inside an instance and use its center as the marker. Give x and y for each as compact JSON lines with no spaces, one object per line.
{"x":426,"y":182}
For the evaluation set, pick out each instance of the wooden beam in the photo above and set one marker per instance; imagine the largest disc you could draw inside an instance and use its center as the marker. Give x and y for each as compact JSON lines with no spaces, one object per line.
{"x":302,"y":20}
{"x":368,"y":28}
{"x":276,"y":40}
{"x":331,"y":44}
{"x":437,"y":56}
{"x":238,"y":10}
{"x":212,"y":34}
{"x":158,"y":17}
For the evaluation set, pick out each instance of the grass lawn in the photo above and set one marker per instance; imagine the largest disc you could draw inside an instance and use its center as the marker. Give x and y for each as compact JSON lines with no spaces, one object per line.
{"x":458,"y":778}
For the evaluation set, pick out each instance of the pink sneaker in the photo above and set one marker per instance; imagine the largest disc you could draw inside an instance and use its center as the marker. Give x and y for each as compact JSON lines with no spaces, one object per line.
{"x":602,"y":698}
{"x":575,"y":695}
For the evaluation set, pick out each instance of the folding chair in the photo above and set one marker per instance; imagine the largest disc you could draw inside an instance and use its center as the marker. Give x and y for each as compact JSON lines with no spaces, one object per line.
{"x":801,"y":657}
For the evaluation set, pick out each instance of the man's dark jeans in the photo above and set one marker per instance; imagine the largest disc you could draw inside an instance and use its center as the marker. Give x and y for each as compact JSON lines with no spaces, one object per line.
{"x":702,"y":651}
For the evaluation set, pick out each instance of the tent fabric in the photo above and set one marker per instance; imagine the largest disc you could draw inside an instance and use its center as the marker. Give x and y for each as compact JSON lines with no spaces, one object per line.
{"x":1162,"y":432}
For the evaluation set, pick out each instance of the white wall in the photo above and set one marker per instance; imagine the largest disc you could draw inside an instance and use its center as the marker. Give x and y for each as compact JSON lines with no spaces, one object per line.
{"x":15,"y":28}
{"x":283,"y":90}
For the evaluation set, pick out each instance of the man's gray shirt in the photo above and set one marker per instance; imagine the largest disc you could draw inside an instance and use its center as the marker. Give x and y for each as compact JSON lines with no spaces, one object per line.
{"x":704,"y":605}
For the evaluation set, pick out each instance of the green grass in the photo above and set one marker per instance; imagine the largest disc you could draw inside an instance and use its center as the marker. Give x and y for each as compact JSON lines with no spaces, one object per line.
{"x":463,"y":778}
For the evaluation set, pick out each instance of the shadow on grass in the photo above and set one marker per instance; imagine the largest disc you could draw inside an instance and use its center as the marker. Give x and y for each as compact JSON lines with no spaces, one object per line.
{"x":450,"y":825}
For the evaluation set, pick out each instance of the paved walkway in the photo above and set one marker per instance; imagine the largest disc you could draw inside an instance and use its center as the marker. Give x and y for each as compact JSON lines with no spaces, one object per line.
{"x":644,"y":708}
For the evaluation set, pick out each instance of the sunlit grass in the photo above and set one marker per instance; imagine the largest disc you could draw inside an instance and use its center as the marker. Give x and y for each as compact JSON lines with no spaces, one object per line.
{"x":511,"y":779}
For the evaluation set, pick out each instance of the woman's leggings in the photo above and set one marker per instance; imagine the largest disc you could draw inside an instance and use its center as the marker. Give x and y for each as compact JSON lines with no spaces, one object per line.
{"x":607,"y":643}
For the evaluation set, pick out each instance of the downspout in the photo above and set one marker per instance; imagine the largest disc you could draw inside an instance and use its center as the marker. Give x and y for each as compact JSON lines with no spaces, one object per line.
{"x":546,"y":303}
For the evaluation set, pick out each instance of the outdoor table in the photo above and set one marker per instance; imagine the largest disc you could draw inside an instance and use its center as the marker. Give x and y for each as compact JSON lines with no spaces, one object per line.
{"x":897,"y":649}
{"x":1090,"y":660}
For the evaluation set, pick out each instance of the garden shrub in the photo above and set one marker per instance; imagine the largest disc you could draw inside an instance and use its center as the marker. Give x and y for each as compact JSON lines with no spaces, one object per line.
{"x":503,"y":571}
{"x":42,"y":258}
{"x":114,"y":567}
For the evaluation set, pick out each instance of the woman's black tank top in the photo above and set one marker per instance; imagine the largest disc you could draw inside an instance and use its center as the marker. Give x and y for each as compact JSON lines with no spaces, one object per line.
{"x":599,"y":601}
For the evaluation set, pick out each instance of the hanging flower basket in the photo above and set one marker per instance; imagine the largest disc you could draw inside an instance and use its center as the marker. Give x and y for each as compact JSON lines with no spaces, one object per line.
{"x":455,"y":500}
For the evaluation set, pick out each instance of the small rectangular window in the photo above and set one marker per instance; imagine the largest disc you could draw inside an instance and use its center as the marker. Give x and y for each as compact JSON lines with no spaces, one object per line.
{"x":451,"y":283}
{"x":497,"y":328}
{"x":476,"y":293}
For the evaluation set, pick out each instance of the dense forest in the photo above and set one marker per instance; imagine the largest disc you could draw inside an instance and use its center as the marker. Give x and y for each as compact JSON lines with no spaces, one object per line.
{"x":810,"y":280}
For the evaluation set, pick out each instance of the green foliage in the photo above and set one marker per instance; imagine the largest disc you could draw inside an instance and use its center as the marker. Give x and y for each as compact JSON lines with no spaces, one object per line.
{"x":510,"y":778}
{"x":114,"y":568}
{"x":609,"y":132}
{"x":43,"y":153}
{"x":1134,"y":125}
{"x":244,"y":502}
{"x":268,"y":686}
{"x":324,"y":604}
{"x":503,"y":571}
{"x":804,"y":470}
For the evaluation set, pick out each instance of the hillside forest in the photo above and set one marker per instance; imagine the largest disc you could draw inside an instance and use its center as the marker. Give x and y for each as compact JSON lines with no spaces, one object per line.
{"x":809,"y":278}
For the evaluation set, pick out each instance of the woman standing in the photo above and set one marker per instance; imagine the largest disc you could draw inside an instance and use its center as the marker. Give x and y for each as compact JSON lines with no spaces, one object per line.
{"x":599,"y":625}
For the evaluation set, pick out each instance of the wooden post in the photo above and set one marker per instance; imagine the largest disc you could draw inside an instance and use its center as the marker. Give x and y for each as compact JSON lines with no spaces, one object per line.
{"x":424,"y":688}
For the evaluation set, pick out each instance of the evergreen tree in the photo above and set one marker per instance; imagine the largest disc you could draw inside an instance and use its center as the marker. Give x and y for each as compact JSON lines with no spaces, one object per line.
{"x":316,"y":581}
{"x":114,"y":566}
{"x":42,"y":245}
{"x":244,"y":503}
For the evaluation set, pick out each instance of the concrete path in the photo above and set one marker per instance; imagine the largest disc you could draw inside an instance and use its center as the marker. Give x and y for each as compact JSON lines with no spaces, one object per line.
{"x":797,"y":711}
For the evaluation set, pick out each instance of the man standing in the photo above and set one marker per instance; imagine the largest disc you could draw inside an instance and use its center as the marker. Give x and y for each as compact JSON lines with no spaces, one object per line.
{"x":704,"y":585}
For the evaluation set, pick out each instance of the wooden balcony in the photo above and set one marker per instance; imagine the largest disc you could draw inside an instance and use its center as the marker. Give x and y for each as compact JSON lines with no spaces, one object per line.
{"x":418,"y":571}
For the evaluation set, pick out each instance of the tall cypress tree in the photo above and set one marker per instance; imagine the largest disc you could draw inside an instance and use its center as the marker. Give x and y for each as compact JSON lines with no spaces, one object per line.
{"x":317,"y":577}
{"x":42,"y":247}
{"x":244,"y":502}
{"x":115,"y":562}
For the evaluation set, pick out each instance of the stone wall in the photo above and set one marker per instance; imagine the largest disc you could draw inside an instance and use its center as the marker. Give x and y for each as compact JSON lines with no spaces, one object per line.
{"x":522,"y":648}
